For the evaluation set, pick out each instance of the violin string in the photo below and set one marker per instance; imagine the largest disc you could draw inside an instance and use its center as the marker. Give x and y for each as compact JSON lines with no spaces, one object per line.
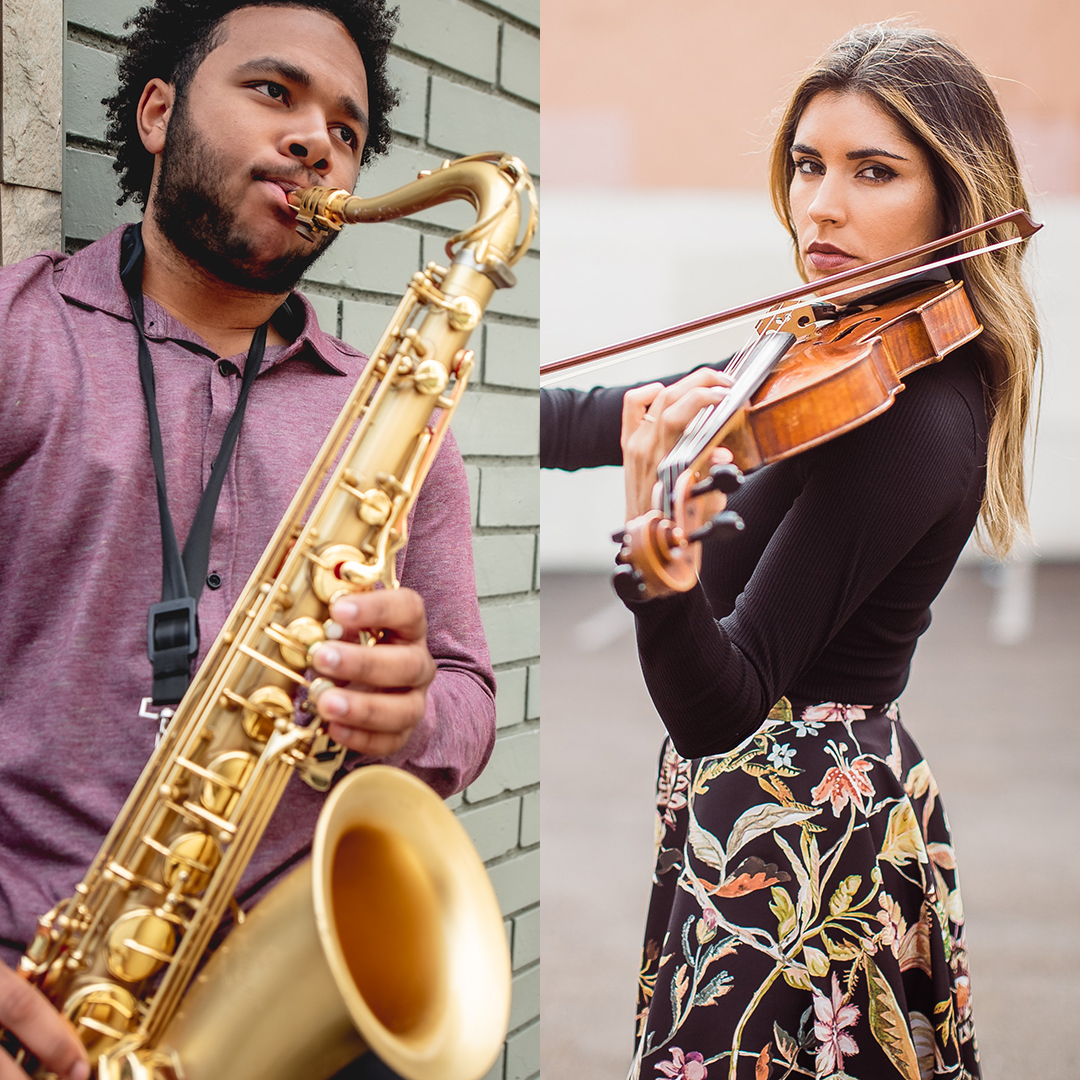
{"x":709,"y":331}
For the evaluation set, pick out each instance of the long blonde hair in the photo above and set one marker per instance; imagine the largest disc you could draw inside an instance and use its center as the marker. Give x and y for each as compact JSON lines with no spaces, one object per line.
{"x":942,"y":101}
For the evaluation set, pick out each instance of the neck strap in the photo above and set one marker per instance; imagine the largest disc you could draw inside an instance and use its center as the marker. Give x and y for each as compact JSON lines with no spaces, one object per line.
{"x":173,"y":630}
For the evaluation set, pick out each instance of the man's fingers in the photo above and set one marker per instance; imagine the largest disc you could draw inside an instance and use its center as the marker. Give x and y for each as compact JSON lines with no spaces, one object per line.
{"x":400,"y":612}
{"x":40,"y":1028}
{"x":387,"y":666}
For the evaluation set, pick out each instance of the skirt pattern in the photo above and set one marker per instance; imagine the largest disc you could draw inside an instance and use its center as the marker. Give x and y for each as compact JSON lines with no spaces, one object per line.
{"x":806,"y":917}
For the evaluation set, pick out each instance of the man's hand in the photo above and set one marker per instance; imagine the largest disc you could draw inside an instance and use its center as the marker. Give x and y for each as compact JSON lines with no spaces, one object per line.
{"x":653,"y":418}
{"x":26,"y":1012}
{"x":386,"y":684}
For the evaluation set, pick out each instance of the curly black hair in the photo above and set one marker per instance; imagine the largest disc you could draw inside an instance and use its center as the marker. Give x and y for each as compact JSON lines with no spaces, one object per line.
{"x":171,"y":38}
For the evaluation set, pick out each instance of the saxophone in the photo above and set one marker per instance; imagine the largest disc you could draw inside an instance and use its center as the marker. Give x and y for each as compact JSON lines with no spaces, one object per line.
{"x":391,"y":937}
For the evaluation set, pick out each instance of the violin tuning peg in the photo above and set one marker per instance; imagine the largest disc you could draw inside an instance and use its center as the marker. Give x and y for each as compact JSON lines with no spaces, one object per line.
{"x":727,"y":521}
{"x":628,"y":584}
{"x":725,"y":478}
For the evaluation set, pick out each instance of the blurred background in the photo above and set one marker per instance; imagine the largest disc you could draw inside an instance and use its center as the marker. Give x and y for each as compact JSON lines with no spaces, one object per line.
{"x":656,"y":125}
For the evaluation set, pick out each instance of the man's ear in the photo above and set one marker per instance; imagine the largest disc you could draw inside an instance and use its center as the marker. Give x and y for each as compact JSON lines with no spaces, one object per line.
{"x":153,"y":112}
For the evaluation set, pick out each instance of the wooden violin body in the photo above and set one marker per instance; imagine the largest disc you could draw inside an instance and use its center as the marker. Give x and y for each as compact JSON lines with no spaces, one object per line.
{"x":833,"y":379}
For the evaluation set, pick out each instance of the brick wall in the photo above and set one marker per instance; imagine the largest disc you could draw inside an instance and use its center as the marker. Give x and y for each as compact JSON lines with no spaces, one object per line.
{"x":469,"y":73}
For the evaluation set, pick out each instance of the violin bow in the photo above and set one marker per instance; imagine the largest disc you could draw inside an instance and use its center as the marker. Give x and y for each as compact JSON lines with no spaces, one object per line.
{"x":1026,"y":228}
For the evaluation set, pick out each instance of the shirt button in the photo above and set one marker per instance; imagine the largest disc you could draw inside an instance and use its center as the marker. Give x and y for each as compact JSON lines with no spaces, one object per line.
{"x":214,"y":581}
{"x":227,"y":368}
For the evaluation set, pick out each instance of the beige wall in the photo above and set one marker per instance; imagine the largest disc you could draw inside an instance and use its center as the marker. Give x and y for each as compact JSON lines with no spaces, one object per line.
{"x":680,"y":95}
{"x":32,"y":37}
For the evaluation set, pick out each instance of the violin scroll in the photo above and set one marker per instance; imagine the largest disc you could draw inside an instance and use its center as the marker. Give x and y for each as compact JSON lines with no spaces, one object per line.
{"x":659,"y":555}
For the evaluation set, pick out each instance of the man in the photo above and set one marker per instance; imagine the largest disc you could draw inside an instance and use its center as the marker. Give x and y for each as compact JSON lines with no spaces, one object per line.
{"x":223,"y":108}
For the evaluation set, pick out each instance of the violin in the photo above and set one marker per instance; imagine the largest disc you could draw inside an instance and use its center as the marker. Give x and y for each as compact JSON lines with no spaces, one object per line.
{"x":812,"y":372}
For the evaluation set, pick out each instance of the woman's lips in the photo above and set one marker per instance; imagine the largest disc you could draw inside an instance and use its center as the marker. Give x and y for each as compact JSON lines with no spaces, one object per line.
{"x":829,"y":261}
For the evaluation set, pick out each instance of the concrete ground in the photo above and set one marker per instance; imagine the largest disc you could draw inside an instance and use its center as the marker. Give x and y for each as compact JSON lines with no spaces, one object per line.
{"x":998,"y":724}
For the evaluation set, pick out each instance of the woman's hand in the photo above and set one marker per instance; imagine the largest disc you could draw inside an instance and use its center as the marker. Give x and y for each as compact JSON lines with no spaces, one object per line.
{"x":653,"y":418}
{"x":385,"y":691}
{"x":27,"y":1013}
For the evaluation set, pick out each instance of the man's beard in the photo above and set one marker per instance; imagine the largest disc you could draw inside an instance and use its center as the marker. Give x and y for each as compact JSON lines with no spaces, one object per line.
{"x":189,"y":212}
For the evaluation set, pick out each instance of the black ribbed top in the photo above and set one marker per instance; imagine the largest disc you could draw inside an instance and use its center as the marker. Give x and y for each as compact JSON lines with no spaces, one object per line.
{"x":825,"y":593}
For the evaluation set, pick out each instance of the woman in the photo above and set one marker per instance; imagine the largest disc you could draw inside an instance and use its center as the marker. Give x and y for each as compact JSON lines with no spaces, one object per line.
{"x":806,"y":916}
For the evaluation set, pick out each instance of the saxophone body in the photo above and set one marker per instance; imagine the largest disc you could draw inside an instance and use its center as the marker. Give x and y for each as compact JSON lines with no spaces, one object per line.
{"x":393,"y":927}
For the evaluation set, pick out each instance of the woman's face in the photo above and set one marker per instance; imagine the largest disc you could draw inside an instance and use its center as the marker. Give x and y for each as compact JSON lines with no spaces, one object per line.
{"x":862,"y":190}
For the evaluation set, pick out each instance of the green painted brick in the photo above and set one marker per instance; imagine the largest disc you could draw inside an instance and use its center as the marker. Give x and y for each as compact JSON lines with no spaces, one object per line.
{"x":465,"y":121}
{"x":526,"y":10}
{"x":89,"y":75}
{"x":512,"y":356}
{"x":326,"y":311}
{"x":452,"y":33}
{"x":510,"y":495}
{"x":504,"y":564}
{"x":526,"y":938}
{"x":362,"y":323}
{"x":514,"y":763}
{"x":410,"y":117}
{"x":530,"y":819}
{"x":513,"y":630}
{"x":90,"y":192}
{"x":525,"y":1000}
{"x":490,"y":423}
{"x":532,"y":701}
{"x":494,"y":828}
{"x":517,"y":881}
{"x":105,"y":15}
{"x":523,"y":1053}
{"x":519,"y":71}
{"x":381,"y":258}
{"x":510,"y":697}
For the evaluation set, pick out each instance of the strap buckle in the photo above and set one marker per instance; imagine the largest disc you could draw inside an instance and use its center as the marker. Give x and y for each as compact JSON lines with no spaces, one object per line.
{"x":172,"y":641}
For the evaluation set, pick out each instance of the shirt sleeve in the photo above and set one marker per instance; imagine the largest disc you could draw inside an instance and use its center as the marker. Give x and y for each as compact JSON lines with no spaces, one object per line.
{"x":853,"y":509}
{"x":453,"y":741}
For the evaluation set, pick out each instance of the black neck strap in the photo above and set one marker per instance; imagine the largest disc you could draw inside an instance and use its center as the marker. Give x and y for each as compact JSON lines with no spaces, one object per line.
{"x":173,"y":630}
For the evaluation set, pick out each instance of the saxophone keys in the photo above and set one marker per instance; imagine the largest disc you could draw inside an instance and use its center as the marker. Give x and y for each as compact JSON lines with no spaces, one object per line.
{"x":230,"y":772}
{"x":431,"y":377}
{"x":264,"y":709}
{"x":296,"y":640}
{"x":103,"y":1014}
{"x":140,"y":943}
{"x":191,"y":860}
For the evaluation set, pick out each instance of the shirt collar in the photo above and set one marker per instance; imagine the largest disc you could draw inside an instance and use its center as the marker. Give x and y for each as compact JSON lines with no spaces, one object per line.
{"x":91,"y":278}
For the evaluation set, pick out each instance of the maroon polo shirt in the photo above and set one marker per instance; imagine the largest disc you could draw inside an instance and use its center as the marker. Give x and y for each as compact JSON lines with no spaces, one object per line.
{"x":80,"y":558}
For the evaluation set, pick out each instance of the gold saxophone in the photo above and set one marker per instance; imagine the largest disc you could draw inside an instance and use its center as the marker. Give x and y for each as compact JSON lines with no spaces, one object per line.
{"x":391,"y":937}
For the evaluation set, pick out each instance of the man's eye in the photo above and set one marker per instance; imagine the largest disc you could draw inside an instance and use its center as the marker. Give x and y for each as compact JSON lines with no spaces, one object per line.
{"x":271,"y":89}
{"x":348,"y":136}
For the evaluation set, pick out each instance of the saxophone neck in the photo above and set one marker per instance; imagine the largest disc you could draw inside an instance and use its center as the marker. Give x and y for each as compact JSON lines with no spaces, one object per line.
{"x":493,"y":183}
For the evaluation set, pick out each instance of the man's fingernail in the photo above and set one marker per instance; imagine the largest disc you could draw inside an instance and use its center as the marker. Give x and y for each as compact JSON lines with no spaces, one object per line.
{"x":346,"y":609}
{"x":327,"y":658}
{"x":333,"y":704}
{"x":80,"y":1071}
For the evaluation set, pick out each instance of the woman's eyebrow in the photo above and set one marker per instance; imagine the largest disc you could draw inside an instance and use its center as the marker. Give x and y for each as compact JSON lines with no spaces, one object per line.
{"x":851,"y":155}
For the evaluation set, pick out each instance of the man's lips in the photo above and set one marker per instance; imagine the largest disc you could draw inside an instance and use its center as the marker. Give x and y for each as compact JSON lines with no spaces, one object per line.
{"x":278,"y":190}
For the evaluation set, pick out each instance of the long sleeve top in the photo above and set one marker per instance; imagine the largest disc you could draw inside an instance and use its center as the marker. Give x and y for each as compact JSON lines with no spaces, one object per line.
{"x":825,"y":593}
{"x":80,"y":562}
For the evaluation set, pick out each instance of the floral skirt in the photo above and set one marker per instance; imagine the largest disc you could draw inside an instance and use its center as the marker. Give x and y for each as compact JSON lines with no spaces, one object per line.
{"x":806,"y":916}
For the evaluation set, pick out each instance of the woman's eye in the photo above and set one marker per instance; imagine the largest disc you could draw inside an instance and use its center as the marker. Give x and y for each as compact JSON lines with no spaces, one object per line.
{"x":877,"y":172}
{"x":808,"y":166}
